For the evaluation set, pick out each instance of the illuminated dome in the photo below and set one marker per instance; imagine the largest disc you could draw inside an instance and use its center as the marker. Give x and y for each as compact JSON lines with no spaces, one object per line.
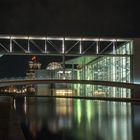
{"x":54,"y":66}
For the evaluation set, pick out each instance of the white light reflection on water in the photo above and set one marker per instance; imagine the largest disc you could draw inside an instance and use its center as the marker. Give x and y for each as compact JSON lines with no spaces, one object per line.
{"x":14,"y":104}
{"x":25,"y":105}
{"x":64,"y":109}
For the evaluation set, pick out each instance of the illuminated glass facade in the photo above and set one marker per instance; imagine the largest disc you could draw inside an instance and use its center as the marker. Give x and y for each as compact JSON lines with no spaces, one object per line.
{"x":108,"y":68}
{"x":102,"y":61}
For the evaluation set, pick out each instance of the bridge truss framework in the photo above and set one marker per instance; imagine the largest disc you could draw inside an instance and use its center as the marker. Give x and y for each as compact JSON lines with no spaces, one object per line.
{"x":69,"y":46}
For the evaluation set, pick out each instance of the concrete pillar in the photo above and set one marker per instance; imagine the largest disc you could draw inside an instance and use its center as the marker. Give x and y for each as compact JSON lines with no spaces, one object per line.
{"x":136,"y":60}
{"x":136,"y":66}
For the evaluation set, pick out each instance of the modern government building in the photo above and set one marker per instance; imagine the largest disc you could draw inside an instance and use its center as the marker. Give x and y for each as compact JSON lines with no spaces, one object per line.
{"x":100,"y":59}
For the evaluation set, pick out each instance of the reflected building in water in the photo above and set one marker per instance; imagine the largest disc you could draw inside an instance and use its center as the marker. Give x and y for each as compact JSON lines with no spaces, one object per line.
{"x":80,"y":119}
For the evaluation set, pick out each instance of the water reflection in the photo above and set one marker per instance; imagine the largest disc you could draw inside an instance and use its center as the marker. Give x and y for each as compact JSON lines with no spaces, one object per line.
{"x":60,"y":118}
{"x":64,"y":107}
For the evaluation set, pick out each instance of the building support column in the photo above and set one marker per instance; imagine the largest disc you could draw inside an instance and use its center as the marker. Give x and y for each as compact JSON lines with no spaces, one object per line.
{"x":136,"y":66}
{"x":63,"y":57}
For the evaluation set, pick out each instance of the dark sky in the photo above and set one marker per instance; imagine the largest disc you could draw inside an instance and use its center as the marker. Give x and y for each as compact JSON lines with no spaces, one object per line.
{"x":69,"y":17}
{"x":113,"y":18}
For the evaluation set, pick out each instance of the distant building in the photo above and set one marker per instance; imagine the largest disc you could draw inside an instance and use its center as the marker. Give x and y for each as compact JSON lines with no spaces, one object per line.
{"x":56,"y":74}
{"x":33,"y":65}
{"x":54,"y":70}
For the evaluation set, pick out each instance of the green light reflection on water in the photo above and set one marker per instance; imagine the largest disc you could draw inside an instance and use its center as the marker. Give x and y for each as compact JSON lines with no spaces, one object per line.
{"x":79,"y":111}
{"x":89,"y":110}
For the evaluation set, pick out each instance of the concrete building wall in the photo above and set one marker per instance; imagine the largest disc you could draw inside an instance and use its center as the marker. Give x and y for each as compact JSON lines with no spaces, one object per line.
{"x":136,"y":60}
{"x":136,"y":66}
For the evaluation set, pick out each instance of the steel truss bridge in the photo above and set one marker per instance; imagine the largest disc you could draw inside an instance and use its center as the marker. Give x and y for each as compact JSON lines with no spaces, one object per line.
{"x":29,"y":45}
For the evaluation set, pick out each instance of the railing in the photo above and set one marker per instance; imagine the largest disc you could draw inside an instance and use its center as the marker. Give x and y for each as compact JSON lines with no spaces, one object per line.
{"x":23,"y":80}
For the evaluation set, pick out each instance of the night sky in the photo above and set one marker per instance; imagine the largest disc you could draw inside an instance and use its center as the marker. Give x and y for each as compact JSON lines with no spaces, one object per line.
{"x":93,"y":18}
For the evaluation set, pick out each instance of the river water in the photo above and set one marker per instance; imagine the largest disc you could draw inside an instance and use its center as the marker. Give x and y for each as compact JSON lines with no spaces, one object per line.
{"x":43,"y":118}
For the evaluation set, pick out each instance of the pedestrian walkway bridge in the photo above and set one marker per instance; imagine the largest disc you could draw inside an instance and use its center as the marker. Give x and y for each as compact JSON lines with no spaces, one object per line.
{"x":44,"y":45}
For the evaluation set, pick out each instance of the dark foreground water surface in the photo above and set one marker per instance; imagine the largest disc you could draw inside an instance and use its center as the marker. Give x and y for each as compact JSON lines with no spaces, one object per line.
{"x":43,"y":118}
